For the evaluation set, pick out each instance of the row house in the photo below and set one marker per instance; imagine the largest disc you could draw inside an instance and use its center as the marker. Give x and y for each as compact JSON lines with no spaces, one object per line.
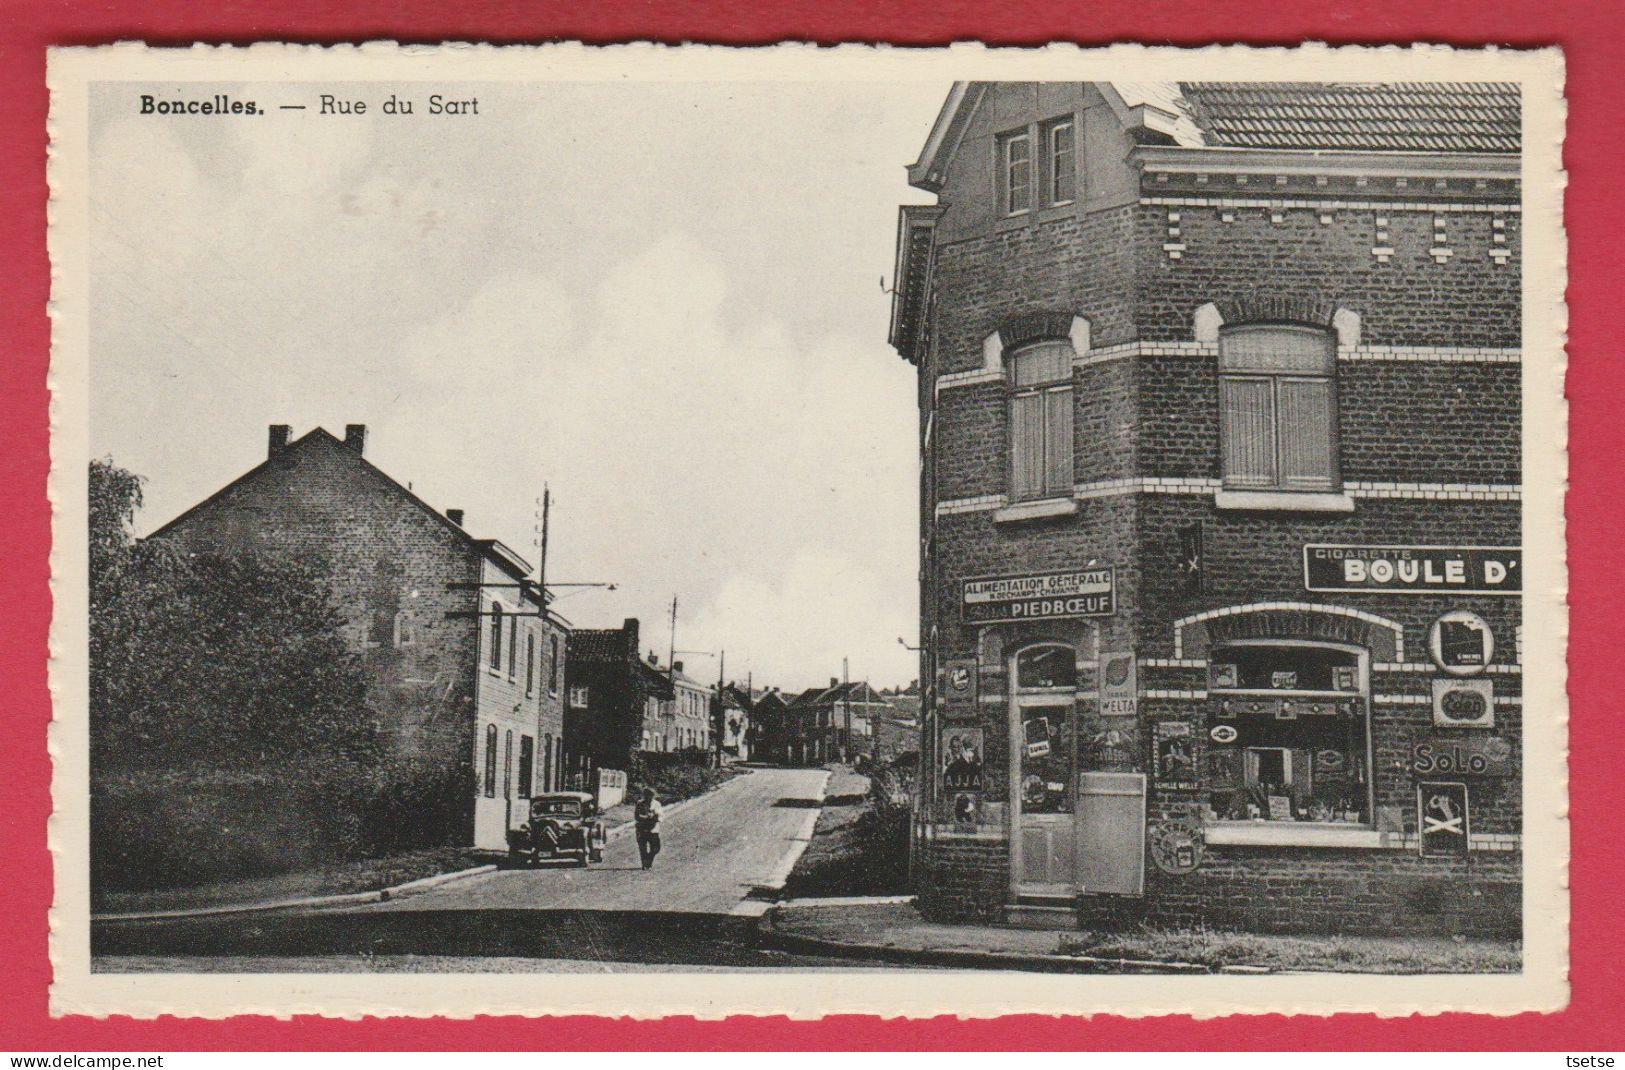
{"x":464,"y":660}
{"x":617,"y":699}
{"x":1219,"y":391}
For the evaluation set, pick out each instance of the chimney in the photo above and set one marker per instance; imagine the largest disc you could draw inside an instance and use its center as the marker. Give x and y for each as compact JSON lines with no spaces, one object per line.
{"x":676,"y":666}
{"x":834,"y":680}
{"x":455,"y":516}
{"x":279,"y":439}
{"x":355,"y":437}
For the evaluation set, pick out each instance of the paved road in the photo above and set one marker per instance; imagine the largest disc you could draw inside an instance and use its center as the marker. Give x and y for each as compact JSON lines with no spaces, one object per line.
{"x":724,"y":856}
{"x":715,"y":851}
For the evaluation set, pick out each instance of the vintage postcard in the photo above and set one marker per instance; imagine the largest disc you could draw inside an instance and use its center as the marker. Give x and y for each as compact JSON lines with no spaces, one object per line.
{"x":688,"y":530}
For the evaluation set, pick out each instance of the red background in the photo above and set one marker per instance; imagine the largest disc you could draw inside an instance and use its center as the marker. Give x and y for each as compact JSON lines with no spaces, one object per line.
{"x":1590,"y":34}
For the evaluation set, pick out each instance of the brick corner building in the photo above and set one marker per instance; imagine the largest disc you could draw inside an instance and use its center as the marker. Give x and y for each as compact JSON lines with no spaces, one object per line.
{"x":1220,"y":416}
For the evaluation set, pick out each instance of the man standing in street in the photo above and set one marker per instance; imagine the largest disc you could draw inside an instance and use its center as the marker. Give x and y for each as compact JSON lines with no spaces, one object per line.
{"x":647,"y":816}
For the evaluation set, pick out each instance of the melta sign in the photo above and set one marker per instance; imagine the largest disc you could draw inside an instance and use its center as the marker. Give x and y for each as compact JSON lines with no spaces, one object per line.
{"x":1414,"y":569}
{"x":1085,"y":592}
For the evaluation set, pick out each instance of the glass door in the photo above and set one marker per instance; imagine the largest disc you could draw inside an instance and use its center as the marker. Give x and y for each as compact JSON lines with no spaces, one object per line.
{"x":1043,"y":767}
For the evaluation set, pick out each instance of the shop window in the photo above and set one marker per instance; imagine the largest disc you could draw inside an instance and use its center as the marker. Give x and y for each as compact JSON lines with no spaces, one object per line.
{"x":1041,"y":413}
{"x":1288,"y":731}
{"x":1045,"y":668}
{"x":1278,"y":408}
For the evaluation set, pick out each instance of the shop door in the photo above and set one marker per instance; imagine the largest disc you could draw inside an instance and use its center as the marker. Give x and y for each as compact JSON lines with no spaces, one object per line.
{"x":1043,"y":768}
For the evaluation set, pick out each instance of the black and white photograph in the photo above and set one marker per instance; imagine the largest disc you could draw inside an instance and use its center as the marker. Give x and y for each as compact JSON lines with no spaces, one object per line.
{"x":695,"y":530}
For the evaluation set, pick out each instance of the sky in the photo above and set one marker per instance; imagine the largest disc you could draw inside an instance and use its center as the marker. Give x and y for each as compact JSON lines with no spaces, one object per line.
{"x":664,"y":302}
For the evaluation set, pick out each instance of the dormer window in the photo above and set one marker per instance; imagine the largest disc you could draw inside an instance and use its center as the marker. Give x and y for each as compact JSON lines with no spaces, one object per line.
{"x":1060,"y":161}
{"x":1015,"y":172}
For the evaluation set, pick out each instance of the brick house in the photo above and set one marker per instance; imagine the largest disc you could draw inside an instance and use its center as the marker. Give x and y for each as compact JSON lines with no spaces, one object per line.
{"x":769,"y":735}
{"x":615,"y":697}
{"x":463,"y":664}
{"x":825,"y":723}
{"x":1220,"y":416}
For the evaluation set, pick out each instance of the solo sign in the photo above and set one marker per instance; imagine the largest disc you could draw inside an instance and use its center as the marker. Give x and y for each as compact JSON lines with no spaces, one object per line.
{"x":1084,"y":592}
{"x":1486,"y":756}
{"x":1413,"y":569}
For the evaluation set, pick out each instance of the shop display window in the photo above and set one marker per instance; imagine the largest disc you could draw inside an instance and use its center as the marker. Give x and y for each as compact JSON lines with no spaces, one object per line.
{"x":1288,"y":735}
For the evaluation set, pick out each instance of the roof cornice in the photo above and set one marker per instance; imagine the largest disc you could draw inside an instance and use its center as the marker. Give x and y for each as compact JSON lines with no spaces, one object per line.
{"x":1226,"y":160}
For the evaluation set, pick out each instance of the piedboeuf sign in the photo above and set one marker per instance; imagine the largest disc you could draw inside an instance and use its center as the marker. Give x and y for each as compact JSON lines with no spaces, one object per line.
{"x":1083,"y":592}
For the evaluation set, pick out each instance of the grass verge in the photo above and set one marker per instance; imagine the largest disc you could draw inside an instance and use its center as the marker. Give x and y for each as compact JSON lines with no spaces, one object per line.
{"x":361,"y":875}
{"x":853,"y":849}
{"x":1339,"y":954}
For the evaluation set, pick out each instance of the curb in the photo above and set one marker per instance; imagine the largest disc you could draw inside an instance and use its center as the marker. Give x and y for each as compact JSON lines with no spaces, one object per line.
{"x":382,"y":895}
{"x":773,"y":936}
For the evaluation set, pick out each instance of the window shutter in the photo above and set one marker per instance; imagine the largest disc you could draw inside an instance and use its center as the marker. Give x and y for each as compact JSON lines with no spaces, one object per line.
{"x":1026,"y":445}
{"x":1248,"y":432}
{"x":1058,"y":444}
{"x":1307,"y":453}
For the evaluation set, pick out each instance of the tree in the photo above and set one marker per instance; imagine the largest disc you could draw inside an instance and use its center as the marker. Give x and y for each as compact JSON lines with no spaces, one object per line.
{"x":229,"y":661}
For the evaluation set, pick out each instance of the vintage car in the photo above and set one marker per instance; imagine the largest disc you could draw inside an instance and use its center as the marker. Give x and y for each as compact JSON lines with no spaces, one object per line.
{"x":562,"y":824}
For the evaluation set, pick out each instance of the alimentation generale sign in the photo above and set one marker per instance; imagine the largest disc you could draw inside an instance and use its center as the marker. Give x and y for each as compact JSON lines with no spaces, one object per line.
{"x":1413,"y":569}
{"x":1084,"y":592}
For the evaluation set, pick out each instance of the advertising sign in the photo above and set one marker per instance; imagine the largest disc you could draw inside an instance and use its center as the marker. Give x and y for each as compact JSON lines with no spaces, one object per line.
{"x":1119,"y":685}
{"x":959,"y":687}
{"x":1441,"y":818}
{"x":1413,"y":569}
{"x":1449,"y":755}
{"x":1461,"y":643}
{"x":1464,"y":703}
{"x":1084,"y":592}
{"x":961,"y":759}
{"x":1175,"y":755}
{"x":1176,"y":846}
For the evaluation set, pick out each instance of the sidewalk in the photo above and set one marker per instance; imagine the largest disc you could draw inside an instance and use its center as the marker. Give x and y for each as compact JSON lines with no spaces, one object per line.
{"x":891,"y":930}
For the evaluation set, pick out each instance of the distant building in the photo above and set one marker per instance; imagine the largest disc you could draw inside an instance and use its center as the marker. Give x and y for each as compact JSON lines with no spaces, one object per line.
{"x":769,"y":733}
{"x":615,"y":698}
{"x":688,"y":726}
{"x":463,"y":663}
{"x":832,"y":723}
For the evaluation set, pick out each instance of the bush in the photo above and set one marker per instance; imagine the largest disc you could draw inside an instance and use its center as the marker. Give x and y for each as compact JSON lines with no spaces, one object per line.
{"x":674,"y":775}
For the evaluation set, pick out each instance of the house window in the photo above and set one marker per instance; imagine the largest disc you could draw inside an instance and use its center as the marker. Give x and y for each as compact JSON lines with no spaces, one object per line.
{"x":1060,"y":161}
{"x":496,"y":635}
{"x":507,"y":766}
{"x":1289,"y":738}
{"x":1015,"y":172}
{"x":1278,"y":408}
{"x":1041,"y":411}
{"x":490,"y":761}
{"x":527,"y":765}
{"x":513,"y":646}
{"x":530,"y":663}
{"x":578,"y":697}
{"x":547,"y":768}
{"x":553,"y":680}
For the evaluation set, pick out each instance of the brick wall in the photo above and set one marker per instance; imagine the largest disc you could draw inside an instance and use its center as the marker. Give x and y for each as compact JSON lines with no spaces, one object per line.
{"x":1429,"y":421}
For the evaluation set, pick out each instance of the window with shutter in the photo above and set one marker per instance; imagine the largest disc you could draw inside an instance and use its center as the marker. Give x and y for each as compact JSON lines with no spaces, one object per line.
{"x":1041,"y":415}
{"x":1278,"y":408}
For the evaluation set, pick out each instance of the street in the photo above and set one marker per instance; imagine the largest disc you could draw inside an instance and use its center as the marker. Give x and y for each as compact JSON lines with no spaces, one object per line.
{"x":723,"y":858}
